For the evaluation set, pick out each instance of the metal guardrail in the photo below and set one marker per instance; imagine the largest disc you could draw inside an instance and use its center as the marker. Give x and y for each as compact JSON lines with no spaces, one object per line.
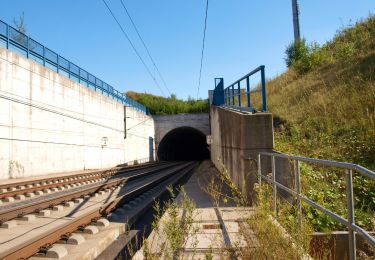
{"x":233,"y":93}
{"x":349,"y":222}
{"x":14,"y":40}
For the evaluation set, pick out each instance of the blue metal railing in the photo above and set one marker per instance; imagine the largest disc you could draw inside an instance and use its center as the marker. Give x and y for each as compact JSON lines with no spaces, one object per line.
{"x":14,"y":40}
{"x":233,"y":93}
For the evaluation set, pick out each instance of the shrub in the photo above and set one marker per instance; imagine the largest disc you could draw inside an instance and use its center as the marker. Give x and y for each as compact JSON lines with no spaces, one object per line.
{"x":295,"y":52}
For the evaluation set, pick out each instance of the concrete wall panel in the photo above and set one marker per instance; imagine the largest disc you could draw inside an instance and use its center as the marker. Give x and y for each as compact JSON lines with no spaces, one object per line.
{"x":49,"y":123}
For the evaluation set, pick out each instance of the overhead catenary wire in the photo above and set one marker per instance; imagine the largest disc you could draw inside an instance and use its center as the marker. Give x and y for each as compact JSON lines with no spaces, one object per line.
{"x":145,"y":46}
{"x":202,"y":53}
{"x":133,"y":47}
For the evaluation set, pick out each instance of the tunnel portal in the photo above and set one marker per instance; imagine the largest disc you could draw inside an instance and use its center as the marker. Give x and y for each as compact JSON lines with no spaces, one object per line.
{"x":183,"y":144}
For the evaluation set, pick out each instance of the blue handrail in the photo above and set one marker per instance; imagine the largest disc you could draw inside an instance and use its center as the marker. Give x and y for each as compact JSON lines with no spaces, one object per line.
{"x":234,"y":92}
{"x":14,"y":40}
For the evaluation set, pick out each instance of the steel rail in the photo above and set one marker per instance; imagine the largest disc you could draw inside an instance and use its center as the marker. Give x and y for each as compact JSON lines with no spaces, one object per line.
{"x":31,"y":247}
{"x":61,"y":178}
{"x":15,"y":210}
{"x":57,"y":182}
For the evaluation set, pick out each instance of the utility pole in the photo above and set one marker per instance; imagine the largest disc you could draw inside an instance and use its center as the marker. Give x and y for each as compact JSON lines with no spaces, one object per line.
{"x":297,"y":34}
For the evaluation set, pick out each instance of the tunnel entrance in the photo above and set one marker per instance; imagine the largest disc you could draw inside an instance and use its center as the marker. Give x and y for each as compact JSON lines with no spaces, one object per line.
{"x":183,"y":144}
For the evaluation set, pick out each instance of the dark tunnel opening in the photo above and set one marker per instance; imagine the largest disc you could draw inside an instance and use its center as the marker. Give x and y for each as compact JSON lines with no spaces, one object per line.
{"x":183,"y":144}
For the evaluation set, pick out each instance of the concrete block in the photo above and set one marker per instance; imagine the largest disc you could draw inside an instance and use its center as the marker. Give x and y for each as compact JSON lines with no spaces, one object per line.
{"x":102,"y":222}
{"x":30,"y":195}
{"x":9,"y":224}
{"x":75,"y":239}
{"x":69,"y":204}
{"x":58,"y":208}
{"x":21,"y":187}
{"x":120,"y":211}
{"x":38,"y":192}
{"x":44,"y":213}
{"x":114,"y":217}
{"x":8,"y":199}
{"x":20,"y":197}
{"x":54,"y":189}
{"x":56,"y":251}
{"x":3,"y":190}
{"x":95,"y":195}
{"x":127,"y":207}
{"x":29,"y":185}
{"x":60,"y":188}
{"x":12,"y":188}
{"x":47,"y":191}
{"x":36,"y":184}
{"x":90,"y":230}
{"x":28,"y":217}
{"x":79,"y":200}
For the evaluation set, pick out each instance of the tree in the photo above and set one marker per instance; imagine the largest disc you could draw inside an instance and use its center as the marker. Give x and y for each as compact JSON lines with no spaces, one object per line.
{"x":20,"y":23}
{"x":21,"y":26}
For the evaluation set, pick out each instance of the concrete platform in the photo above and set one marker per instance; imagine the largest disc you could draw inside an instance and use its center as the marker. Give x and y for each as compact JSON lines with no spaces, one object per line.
{"x":217,"y":226}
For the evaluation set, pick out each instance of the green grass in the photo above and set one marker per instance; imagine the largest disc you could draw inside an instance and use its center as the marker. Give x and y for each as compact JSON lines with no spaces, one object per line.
{"x":327,"y":110}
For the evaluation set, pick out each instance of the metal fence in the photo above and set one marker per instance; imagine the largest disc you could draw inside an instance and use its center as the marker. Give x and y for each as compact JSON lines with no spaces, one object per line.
{"x":233,"y":93}
{"x":349,"y":168}
{"x":14,"y":40}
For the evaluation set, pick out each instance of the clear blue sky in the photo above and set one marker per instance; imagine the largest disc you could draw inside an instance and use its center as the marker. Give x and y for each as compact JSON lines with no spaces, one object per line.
{"x":241,"y":34}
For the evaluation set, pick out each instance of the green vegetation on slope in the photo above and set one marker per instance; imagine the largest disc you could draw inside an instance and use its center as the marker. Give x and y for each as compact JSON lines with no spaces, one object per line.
{"x":324,"y":107}
{"x":171,"y":105}
{"x":329,"y":110}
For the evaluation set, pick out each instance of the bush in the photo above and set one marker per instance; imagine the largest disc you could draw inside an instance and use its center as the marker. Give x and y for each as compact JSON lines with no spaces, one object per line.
{"x":304,"y":57}
{"x":295,"y":52}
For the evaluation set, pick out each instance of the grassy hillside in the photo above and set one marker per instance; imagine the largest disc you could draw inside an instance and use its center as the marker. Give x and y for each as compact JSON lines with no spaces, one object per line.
{"x":328,"y":111}
{"x":171,"y":105}
{"x":324,"y":107}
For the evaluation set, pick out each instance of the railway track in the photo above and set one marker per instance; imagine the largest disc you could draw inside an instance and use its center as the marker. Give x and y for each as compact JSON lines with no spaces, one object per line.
{"x":122,"y":197}
{"x":28,"y":189}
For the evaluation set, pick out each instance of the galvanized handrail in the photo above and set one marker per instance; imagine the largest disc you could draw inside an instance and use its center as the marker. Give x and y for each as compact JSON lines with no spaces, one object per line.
{"x":230,"y":94}
{"x":349,"y":222}
{"x":15,"y":40}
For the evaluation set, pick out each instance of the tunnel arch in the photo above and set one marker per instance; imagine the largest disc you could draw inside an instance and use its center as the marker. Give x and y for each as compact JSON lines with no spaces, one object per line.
{"x":183,"y":144}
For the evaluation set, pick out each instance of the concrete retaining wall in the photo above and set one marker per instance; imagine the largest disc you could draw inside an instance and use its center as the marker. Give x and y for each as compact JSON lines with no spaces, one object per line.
{"x":49,"y":123}
{"x":237,"y":138}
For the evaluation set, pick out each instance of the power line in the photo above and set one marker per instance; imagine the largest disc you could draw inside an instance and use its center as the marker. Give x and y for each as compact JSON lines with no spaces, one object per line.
{"x":204,"y":38}
{"x":132,"y":45}
{"x":144,"y":45}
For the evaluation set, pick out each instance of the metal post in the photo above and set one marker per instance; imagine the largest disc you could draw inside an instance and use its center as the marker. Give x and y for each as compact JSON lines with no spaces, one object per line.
{"x":259,"y":171}
{"x":8,"y":36}
{"x":239,"y":94}
{"x":27,"y":46}
{"x":297,"y":34}
{"x":69,"y":69}
{"x":274,"y":184}
{"x":350,"y":205}
{"x":297,"y":176}
{"x":248,"y":91}
{"x":58,"y":61}
{"x":264,"y":97}
{"x":44,"y":56}
{"x":233,"y":95}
